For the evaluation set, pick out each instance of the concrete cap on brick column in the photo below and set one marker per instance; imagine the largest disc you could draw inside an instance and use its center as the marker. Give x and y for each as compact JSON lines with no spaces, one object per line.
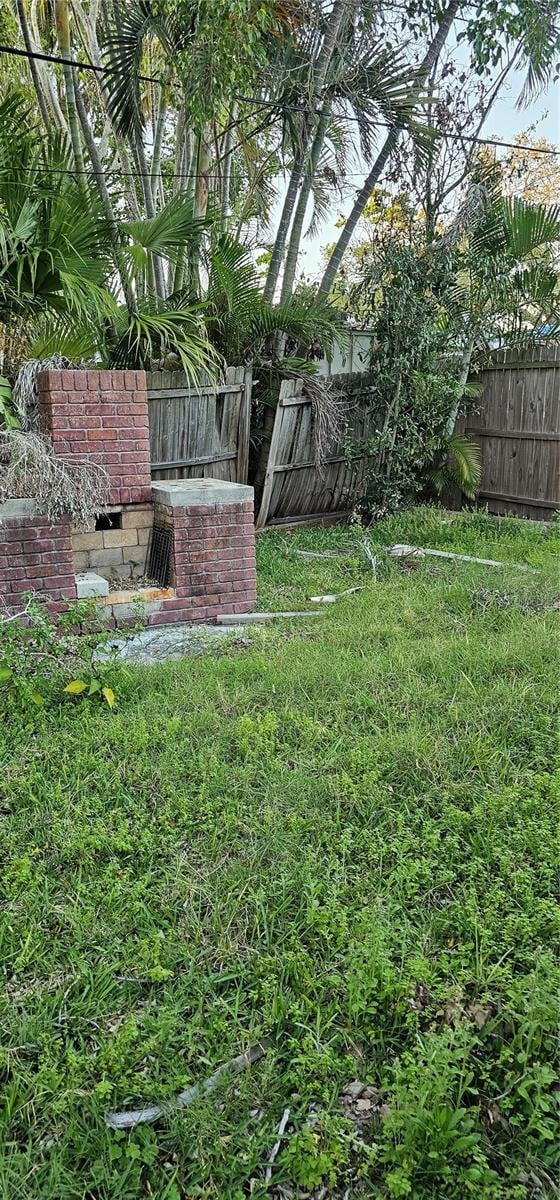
{"x":11,"y":509}
{"x":183,"y":493}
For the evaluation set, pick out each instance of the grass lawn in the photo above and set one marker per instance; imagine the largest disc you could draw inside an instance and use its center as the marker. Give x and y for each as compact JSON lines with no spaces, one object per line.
{"x":341,"y":837}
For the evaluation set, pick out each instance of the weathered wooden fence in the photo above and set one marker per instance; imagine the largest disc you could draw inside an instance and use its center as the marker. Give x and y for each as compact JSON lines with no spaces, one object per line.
{"x":295,"y":489}
{"x":200,"y":431}
{"x":517,"y":422}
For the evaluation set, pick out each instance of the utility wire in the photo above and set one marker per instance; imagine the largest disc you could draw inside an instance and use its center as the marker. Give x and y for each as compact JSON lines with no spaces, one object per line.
{"x":260,"y":103}
{"x":66,"y":62}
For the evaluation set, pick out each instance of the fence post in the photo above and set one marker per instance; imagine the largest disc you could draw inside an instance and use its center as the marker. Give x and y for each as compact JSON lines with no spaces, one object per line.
{"x":288,"y":387}
{"x":244,"y":429}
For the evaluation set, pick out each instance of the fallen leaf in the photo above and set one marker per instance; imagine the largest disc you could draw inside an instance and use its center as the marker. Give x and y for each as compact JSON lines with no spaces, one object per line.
{"x":495,"y":1117}
{"x":75,"y":687}
{"x":479,"y":1014}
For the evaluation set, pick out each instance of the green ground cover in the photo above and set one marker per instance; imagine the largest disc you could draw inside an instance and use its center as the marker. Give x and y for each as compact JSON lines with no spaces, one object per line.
{"x":341,"y":837}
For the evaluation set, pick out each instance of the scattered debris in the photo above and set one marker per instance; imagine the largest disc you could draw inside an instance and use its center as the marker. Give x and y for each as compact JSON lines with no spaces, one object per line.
{"x":255,"y":618}
{"x":495,"y":1117}
{"x":332,"y":597}
{"x":361,"y":1102}
{"x":403,"y":551}
{"x":277,"y":1145}
{"x":325,"y":553}
{"x":484,"y":598}
{"x":371,"y":557}
{"x":354,"y":1090}
{"x":30,"y":469}
{"x":170,"y":642}
{"x":129,"y":1120}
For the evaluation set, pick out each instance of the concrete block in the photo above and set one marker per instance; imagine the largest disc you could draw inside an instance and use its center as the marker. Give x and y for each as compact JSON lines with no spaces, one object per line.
{"x":113,"y":538}
{"x":182,"y":493}
{"x":139,"y":517}
{"x":81,"y":561}
{"x":90,"y":585}
{"x":87,"y":541}
{"x":106,"y":558}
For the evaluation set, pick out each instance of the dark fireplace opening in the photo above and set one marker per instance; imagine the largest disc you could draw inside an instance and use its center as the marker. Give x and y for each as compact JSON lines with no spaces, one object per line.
{"x":108,"y":520}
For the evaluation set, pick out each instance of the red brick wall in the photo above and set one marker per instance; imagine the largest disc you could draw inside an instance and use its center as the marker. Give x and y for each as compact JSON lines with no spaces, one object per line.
{"x":35,"y":556}
{"x":213,"y":565}
{"x":101,"y":415}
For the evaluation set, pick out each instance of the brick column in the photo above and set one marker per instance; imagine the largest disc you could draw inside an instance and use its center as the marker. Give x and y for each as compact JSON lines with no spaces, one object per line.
{"x":213,"y":556}
{"x":34,"y":556}
{"x":103,"y":416}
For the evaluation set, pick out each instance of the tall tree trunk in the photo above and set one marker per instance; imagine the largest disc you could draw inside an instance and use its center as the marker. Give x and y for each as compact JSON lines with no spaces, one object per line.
{"x":157,"y":264}
{"x":227,"y":160}
{"x":105,"y":198}
{"x":178,"y":184}
{"x":430,"y":58}
{"x":33,"y":64}
{"x":201,"y":168}
{"x":157,"y":182}
{"x":46,"y":82}
{"x":283,"y":226}
{"x":184,"y":167}
{"x":87,"y":28}
{"x":339,"y":12}
{"x":301,"y":209}
{"x":65,"y":45}
{"x":463,"y":376}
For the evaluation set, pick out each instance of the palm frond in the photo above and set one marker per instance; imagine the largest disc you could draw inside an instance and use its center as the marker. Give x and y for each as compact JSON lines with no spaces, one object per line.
{"x":123,"y":51}
{"x":529,"y":226}
{"x":149,"y":334}
{"x":461,"y":466}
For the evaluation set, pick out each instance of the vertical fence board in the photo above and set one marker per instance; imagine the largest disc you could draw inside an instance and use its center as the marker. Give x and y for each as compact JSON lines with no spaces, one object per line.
{"x":517,"y":424}
{"x":200,"y":431}
{"x":295,"y":489}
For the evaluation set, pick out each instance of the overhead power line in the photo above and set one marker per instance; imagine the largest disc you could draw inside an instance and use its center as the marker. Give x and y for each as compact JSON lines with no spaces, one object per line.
{"x":65,"y":62}
{"x":260,"y":103}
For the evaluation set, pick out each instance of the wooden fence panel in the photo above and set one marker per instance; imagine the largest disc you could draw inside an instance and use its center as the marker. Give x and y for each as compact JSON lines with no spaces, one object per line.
{"x":295,"y":490}
{"x":202,"y":431}
{"x":517,"y":424}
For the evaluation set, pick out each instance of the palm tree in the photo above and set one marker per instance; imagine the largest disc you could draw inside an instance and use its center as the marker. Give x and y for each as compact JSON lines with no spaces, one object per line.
{"x":420,"y":76}
{"x":58,"y":274}
{"x":507,"y":286}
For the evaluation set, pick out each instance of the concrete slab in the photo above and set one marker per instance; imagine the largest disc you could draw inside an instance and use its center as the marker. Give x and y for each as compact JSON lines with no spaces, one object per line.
{"x":167,"y":642}
{"x":89,"y":585}
{"x":19,"y":508}
{"x":181,"y":493}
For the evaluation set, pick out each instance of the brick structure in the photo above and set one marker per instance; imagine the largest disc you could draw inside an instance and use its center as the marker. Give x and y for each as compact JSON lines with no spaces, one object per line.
{"x":118,"y":549}
{"x":213,"y":558}
{"x":101,"y":415}
{"x":34,"y":556}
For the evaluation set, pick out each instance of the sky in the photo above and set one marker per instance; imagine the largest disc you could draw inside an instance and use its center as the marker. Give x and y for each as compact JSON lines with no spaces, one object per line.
{"x":506,"y":121}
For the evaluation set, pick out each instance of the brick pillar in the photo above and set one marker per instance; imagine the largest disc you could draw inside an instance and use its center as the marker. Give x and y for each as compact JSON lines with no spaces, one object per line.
{"x":103,"y":416}
{"x":213,"y":558}
{"x":34,"y":556}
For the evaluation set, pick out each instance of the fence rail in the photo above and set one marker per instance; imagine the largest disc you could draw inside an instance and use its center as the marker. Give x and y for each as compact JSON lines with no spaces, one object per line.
{"x":201,"y":431}
{"x":296,"y":490}
{"x":517,"y":424}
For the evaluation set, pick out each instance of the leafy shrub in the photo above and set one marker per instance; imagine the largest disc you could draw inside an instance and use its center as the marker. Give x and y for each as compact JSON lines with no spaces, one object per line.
{"x":48,"y":661}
